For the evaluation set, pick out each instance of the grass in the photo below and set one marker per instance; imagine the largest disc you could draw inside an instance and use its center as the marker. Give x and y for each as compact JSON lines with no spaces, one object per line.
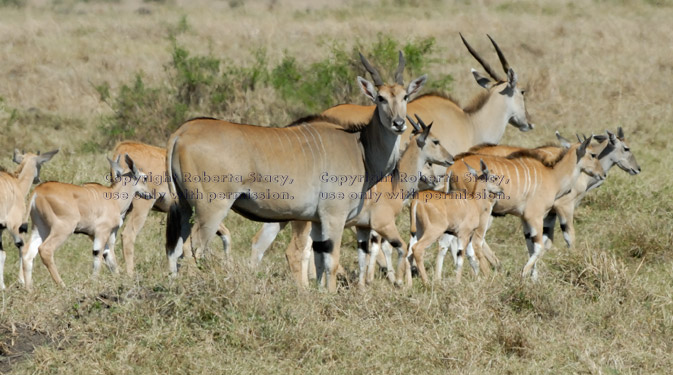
{"x":604,"y":307}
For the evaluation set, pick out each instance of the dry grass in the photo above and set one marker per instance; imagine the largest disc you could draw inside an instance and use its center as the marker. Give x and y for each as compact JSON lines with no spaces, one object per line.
{"x":605,"y":307}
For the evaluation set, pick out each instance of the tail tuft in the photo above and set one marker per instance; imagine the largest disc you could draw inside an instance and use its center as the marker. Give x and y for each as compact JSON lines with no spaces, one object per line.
{"x":173,"y":227}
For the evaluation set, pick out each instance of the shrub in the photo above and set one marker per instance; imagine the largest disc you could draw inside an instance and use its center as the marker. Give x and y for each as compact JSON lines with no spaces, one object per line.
{"x":207,"y":85}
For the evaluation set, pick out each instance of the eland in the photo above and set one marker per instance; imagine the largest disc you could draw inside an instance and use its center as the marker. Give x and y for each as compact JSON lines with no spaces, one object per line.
{"x":14,"y":188}
{"x":318,"y":170}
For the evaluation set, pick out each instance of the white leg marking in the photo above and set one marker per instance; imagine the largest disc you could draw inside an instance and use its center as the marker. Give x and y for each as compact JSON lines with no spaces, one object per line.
{"x":97,"y":245}
{"x":472,"y":259}
{"x":269,"y":233}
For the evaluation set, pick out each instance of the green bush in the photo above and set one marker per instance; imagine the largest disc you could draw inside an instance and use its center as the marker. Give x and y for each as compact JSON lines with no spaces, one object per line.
{"x":207,"y":86}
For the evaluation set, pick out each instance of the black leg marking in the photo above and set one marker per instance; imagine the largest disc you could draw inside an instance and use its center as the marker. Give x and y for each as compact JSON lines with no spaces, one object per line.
{"x":96,"y":252}
{"x":413,"y":234}
{"x":105,"y":255}
{"x":395,"y":243}
{"x":323,"y":246}
{"x":364,"y":245}
{"x":19,"y":244}
{"x":23,"y":228}
{"x":549,"y":232}
{"x":564,"y":227}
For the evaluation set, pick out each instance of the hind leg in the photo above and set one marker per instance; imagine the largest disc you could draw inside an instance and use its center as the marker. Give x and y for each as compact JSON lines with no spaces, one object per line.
{"x":462,"y":240}
{"x":428,"y":238}
{"x":109,"y":252}
{"x":225,"y":237}
{"x":445,"y":241}
{"x":297,"y":252}
{"x":482,"y":250}
{"x":390,"y":233}
{"x":178,"y":230}
{"x":207,"y":220}
{"x":135,"y":220}
{"x":548,"y":231}
{"x":39,"y":233}
{"x":263,"y":240}
{"x":326,"y":237}
{"x":533,"y":234}
{"x":56,"y":237}
{"x":363,"y":254}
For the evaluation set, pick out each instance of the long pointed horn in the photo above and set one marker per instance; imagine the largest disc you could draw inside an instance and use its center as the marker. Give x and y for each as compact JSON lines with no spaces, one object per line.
{"x":399,"y":74}
{"x":620,"y":133}
{"x":503,"y":60}
{"x":374,"y":73}
{"x":420,"y":121}
{"x":481,"y":61}
{"x":415,"y":125}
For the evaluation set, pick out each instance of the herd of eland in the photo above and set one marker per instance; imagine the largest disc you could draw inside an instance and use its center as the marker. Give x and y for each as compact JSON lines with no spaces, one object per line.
{"x":349,"y":166}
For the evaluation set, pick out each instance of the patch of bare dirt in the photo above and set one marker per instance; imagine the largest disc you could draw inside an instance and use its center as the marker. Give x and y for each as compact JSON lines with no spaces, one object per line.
{"x":17,"y":342}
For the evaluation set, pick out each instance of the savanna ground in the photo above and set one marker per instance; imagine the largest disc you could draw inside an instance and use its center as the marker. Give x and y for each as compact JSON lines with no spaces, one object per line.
{"x":81,"y":75}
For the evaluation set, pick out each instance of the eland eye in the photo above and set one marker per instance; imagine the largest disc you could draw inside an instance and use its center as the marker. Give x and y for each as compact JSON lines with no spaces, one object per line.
{"x":435,"y":141}
{"x":593,"y":155}
{"x":381,"y":99}
{"x":406,"y":98}
{"x":627,"y":149}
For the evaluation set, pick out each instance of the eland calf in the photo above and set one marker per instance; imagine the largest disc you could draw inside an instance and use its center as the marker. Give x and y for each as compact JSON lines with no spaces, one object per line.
{"x":58,"y":210}
{"x":459,"y":213}
{"x":612,"y":150}
{"x":530,"y":186}
{"x":14,"y":188}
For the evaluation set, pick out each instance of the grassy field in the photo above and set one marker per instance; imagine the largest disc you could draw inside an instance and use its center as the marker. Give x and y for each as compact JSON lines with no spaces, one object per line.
{"x":605,"y":307}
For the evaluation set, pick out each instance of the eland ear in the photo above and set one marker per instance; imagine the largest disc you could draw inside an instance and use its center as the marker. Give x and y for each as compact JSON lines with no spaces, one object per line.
{"x":447,"y":186}
{"x":620,"y":133}
{"x":512,"y":78}
{"x":368,"y":89}
{"x":46,"y":156}
{"x":132,"y":165}
{"x":565,"y":143}
{"x":416,"y":85}
{"x":482,"y":81}
{"x":484,"y":168}
{"x":18,"y":156}
{"x":470,"y":169}
{"x":117,"y":170}
{"x":583,"y":147}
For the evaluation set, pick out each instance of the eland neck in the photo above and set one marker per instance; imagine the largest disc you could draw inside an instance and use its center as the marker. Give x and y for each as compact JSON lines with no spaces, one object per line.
{"x":127,"y":191}
{"x":25,"y":175}
{"x":381,"y":150}
{"x":566,"y":171}
{"x":411,"y":163}
{"x":489,"y":120}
